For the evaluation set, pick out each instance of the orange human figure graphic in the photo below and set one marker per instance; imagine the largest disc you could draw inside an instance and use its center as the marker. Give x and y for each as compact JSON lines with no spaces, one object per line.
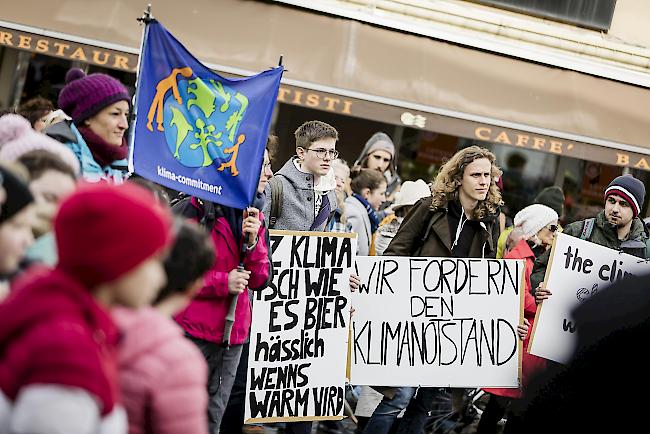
{"x":161,"y":90}
{"x":232,"y":163}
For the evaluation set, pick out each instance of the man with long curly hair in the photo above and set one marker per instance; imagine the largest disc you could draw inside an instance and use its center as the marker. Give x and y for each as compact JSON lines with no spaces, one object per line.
{"x":460,"y":220}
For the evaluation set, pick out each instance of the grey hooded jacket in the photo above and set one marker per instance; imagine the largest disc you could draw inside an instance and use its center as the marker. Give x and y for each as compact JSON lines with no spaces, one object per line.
{"x":394,"y":181}
{"x":297,"y":212}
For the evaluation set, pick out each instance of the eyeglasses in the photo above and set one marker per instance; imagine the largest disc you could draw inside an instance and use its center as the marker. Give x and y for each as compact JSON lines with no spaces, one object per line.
{"x":553,"y":228}
{"x":322,"y":153}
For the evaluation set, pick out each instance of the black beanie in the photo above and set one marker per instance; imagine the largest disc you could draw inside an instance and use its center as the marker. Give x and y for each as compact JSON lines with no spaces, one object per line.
{"x":552,"y":197}
{"x":630,"y":189}
{"x":17,"y":192}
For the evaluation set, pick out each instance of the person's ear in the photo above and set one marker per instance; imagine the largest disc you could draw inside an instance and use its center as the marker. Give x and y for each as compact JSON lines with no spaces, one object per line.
{"x":300,"y":152}
{"x":365,"y":193}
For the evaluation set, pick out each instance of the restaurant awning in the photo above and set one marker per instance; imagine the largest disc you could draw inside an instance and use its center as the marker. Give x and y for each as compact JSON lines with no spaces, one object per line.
{"x":412,"y":80}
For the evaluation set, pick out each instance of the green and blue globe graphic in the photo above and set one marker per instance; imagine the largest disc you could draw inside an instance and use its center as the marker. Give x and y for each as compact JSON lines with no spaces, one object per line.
{"x":201,"y":128}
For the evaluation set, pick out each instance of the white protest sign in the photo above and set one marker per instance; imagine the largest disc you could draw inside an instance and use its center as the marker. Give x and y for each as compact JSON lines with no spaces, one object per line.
{"x":299,"y":333}
{"x":437,"y":322}
{"x":577,"y":269}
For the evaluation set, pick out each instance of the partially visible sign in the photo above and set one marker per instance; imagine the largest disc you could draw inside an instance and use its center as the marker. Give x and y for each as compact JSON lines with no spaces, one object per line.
{"x":68,"y":50}
{"x":577,"y":270}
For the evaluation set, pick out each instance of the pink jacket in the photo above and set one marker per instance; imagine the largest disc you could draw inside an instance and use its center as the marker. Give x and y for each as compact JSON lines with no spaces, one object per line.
{"x":163,"y":375}
{"x":205,"y":317}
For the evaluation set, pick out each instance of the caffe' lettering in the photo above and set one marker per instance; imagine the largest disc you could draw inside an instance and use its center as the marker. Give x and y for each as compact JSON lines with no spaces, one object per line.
{"x":523,"y":140}
{"x":68,"y":50}
{"x":321,"y":101}
{"x":628,"y":160}
{"x":555,"y":146}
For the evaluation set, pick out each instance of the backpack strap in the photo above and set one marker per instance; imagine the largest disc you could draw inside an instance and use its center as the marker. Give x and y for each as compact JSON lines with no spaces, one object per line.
{"x":587,"y":229}
{"x":205,"y":215}
{"x":276,"y":200}
{"x":416,"y":249}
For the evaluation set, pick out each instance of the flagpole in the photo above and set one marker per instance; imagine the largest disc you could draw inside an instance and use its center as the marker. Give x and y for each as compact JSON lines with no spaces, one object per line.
{"x":230,"y":316}
{"x":145,"y":19}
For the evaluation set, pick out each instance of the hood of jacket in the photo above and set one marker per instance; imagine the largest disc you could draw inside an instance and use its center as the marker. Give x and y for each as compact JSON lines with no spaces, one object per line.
{"x":304,"y":180}
{"x":379,"y":136}
{"x":392,"y":177}
{"x":45,"y":294}
{"x":50,"y":310}
{"x":521,"y":251}
{"x":143,"y":331}
{"x":61,"y":131}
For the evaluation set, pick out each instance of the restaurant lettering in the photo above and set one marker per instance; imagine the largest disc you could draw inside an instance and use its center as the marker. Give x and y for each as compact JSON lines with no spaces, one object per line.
{"x":68,"y":50}
{"x":321,"y":101}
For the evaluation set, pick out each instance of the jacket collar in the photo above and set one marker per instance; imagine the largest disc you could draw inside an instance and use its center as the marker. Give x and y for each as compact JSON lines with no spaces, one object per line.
{"x":521,"y":251}
{"x":441,"y":227}
{"x":304,"y":180}
{"x":637,"y":230}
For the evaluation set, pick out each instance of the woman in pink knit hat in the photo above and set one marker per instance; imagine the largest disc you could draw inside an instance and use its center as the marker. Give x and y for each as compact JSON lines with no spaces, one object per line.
{"x":17,"y":138}
{"x":99,"y":107}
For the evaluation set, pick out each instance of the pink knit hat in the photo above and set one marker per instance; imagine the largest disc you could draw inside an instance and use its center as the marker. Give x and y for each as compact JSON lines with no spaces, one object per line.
{"x":84,"y":96}
{"x":18,"y":138}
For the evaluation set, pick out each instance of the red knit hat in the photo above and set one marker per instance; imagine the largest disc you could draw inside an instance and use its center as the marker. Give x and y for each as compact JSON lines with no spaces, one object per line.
{"x":103,"y":231}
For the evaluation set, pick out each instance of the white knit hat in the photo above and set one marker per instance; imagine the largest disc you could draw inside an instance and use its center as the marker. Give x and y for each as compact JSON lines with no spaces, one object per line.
{"x":533,"y":218}
{"x":410,"y":193}
{"x":18,"y":138}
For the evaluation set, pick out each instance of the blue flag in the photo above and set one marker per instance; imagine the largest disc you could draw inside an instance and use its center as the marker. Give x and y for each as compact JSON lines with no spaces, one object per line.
{"x":198,"y":132}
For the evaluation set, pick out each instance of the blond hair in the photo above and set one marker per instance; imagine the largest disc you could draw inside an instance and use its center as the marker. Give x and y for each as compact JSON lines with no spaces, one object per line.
{"x":445,"y":186}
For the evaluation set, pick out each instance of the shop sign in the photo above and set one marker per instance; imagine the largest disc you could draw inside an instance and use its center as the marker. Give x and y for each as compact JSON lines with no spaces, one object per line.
{"x":316,"y":100}
{"x":68,"y":50}
{"x":557,"y":146}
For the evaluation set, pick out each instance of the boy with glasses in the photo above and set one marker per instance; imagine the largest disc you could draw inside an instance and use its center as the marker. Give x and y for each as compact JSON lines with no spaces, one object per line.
{"x":307,"y":195}
{"x":308,"y":184}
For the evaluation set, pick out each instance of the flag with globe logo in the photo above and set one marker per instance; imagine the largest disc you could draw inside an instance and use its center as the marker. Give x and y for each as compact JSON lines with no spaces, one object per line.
{"x":198,"y":132}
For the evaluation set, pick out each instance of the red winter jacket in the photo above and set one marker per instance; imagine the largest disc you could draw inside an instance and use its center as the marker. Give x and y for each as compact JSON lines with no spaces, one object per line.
{"x":530,"y":364}
{"x":205,"y":317}
{"x":162,"y":375}
{"x":53,"y":332}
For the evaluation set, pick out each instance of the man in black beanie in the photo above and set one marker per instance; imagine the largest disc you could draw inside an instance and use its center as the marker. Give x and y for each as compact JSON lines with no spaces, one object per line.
{"x":552,"y":197}
{"x":618,"y":227}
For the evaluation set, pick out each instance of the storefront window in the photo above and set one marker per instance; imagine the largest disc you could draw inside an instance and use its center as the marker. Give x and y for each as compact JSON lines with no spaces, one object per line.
{"x":353,"y":132}
{"x":45,"y":77}
{"x":525,"y":172}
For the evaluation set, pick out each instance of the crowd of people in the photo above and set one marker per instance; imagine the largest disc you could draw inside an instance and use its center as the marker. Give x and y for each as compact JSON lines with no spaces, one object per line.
{"x":115,"y":291}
